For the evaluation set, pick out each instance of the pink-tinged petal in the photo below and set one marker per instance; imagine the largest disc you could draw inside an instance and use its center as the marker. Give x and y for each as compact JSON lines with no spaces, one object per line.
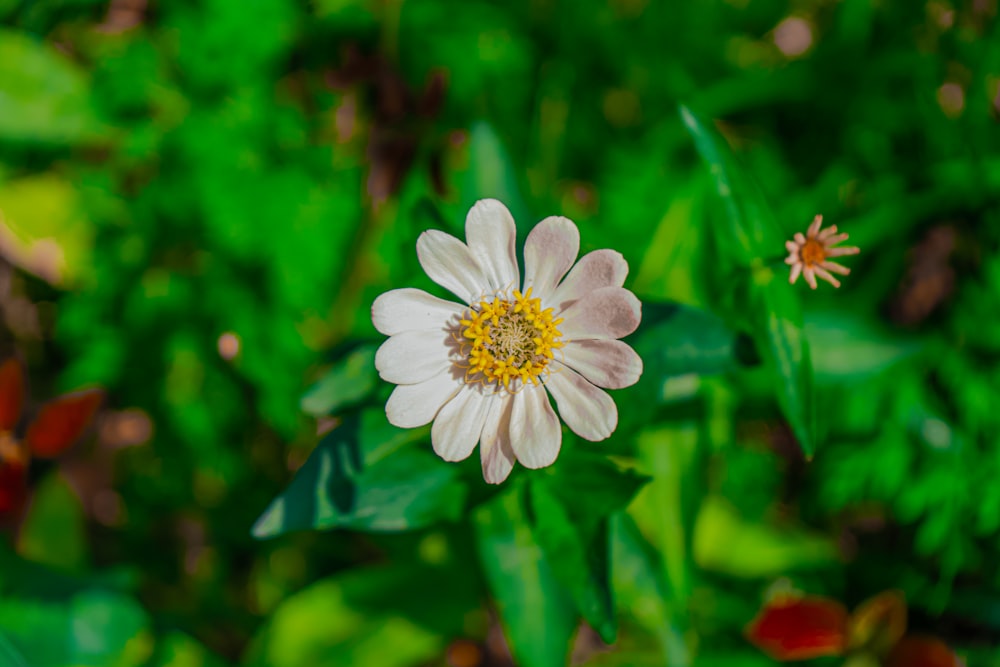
{"x":412,"y":405}
{"x":825,"y":275}
{"x":495,"y":451}
{"x":611,"y":364}
{"x":600,"y":268}
{"x":492,"y":235}
{"x":836,"y":268}
{"x":800,"y":239}
{"x":834,"y":240}
{"x":535,"y":433}
{"x":449,"y":263}
{"x":413,"y":356}
{"x":411,"y":309}
{"x":459,"y":424}
{"x":814,"y":227}
{"x":840,"y":252}
{"x":827,"y":233}
{"x":794,"y":275}
{"x":800,"y":629}
{"x":810,"y":277}
{"x":588,"y":411}
{"x":792,"y":247}
{"x":549,"y":252}
{"x":609,"y":312}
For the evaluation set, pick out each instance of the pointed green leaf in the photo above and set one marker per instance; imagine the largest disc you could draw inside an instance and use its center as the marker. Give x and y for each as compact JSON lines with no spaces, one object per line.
{"x":367,"y":475}
{"x":537,"y":615}
{"x":750,"y":241}
{"x":572,"y":529}
{"x":348,"y":382}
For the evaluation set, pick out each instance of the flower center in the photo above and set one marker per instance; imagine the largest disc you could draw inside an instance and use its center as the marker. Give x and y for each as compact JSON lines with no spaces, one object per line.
{"x":509,"y":339}
{"x":813,"y":252}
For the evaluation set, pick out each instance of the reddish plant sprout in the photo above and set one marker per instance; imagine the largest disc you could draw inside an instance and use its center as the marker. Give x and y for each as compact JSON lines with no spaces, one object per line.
{"x":57,"y":425}
{"x":790,"y":628}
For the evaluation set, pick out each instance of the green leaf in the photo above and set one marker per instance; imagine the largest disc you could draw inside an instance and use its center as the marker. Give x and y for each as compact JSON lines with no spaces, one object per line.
{"x":350,"y":380}
{"x":374,"y":616}
{"x":92,"y":629}
{"x":675,"y":339}
{"x":751,"y":240}
{"x":43,"y":96}
{"x":53,"y":530}
{"x":491,"y":175}
{"x":9,"y":655}
{"x":537,"y":615}
{"x":725,"y":542}
{"x":367,"y":475}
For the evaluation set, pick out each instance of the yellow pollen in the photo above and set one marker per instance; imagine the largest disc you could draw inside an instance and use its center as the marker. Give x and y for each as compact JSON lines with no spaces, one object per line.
{"x":509,"y":339}
{"x":813,"y":252}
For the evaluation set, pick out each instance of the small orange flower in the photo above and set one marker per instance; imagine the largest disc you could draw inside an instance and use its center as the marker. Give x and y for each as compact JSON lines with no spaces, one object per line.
{"x":810,"y":254}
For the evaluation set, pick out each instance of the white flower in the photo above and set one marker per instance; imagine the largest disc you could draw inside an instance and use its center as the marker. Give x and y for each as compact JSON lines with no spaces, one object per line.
{"x":482,"y":370}
{"x":810,"y":254}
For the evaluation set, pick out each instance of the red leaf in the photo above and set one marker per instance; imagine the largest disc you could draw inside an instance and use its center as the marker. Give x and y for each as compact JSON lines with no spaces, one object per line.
{"x":916,"y":651}
{"x":11,"y":393}
{"x":801,"y":629}
{"x":13,"y":487}
{"x":61,"y":422}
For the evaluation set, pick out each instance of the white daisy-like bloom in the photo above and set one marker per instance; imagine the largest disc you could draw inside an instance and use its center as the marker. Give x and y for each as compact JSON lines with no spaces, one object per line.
{"x":810,"y":255}
{"x":482,"y":370}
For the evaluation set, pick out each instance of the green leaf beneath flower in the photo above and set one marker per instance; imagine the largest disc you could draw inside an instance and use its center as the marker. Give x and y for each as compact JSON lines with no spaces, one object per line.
{"x":537,"y":614}
{"x":348,"y":382}
{"x":367,"y":475}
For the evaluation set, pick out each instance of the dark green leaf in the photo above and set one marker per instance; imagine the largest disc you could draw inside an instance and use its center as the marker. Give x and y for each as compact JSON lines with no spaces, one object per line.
{"x":751,"y":241}
{"x":572,"y":529}
{"x":491,"y":175}
{"x":367,"y":475}
{"x":537,"y":615}
{"x":350,"y":380}
{"x":675,"y":339}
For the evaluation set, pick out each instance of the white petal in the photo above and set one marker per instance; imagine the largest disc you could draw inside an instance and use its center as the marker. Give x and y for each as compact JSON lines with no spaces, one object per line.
{"x":607,"y":363}
{"x":412,"y":405}
{"x":450,"y":264}
{"x":600,"y":268}
{"x":458,"y":426}
{"x":413,"y":356}
{"x":549,"y":252}
{"x":588,"y":411}
{"x":495,"y":451}
{"x":492,"y":235}
{"x":411,"y":309}
{"x":535,"y":433}
{"x":610,"y":312}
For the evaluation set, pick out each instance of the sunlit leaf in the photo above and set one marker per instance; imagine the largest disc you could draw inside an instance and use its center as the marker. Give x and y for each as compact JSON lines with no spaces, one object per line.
{"x":725,"y":542}
{"x":61,"y":422}
{"x":9,"y":656}
{"x":367,"y":475}
{"x":491,"y":175}
{"x":44,"y":97}
{"x":351,"y":379}
{"x":748,"y":246}
{"x":537,"y":614}
{"x":11,"y":393}
{"x":800,"y":629}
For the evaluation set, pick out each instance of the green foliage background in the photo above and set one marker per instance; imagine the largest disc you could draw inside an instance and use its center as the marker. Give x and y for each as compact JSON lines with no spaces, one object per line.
{"x":253,"y":174}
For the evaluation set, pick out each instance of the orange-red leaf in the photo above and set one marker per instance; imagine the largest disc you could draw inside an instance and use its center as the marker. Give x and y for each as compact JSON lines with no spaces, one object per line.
{"x":11,"y":393}
{"x":916,"y":651}
{"x":800,"y":629}
{"x":61,"y":422}
{"x":13,"y":487}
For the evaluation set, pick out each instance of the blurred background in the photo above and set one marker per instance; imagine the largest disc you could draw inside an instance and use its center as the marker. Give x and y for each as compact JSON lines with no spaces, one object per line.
{"x":200,"y":200}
